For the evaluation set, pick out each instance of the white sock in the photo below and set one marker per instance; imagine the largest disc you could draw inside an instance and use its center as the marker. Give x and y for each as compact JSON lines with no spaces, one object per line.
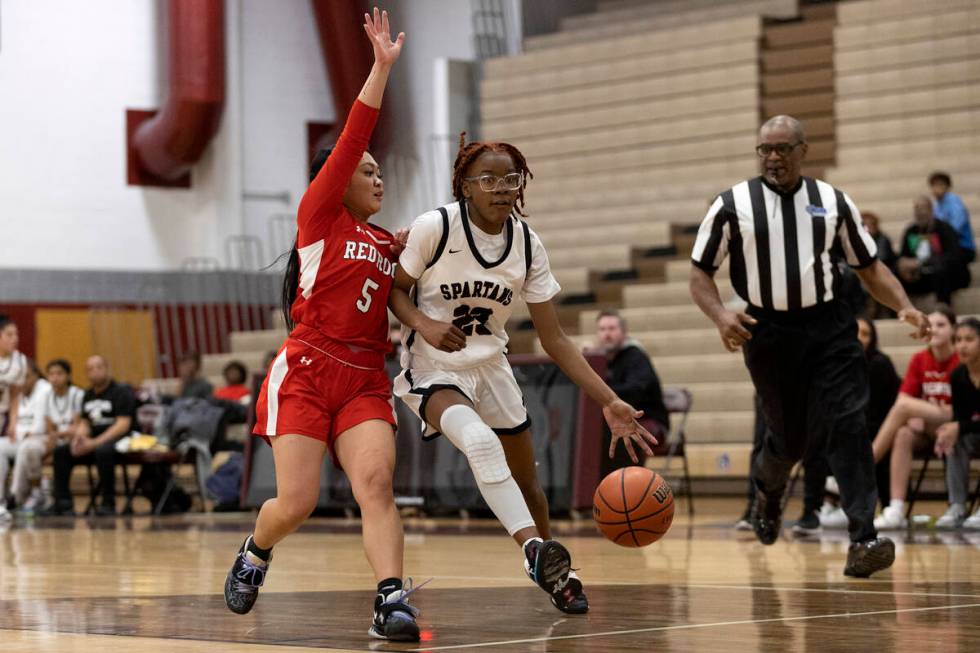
{"x":529,"y":540}
{"x":464,"y":428}
{"x":896,"y":504}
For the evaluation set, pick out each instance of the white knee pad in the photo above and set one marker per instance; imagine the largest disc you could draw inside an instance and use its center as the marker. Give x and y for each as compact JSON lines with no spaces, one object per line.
{"x":478,"y":442}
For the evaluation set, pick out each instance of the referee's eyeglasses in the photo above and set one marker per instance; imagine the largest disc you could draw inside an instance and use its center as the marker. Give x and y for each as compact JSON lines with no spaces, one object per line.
{"x":782,"y":149}
{"x":491,"y":183}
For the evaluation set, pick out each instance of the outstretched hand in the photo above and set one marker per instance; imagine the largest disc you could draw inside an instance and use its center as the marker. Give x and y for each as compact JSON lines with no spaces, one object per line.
{"x":386,"y":51}
{"x":917,"y":319}
{"x":621,"y":418}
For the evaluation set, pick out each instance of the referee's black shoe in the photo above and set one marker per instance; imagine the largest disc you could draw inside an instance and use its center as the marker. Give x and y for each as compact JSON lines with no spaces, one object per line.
{"x":865,"y":558}
{"x":767,"y":518}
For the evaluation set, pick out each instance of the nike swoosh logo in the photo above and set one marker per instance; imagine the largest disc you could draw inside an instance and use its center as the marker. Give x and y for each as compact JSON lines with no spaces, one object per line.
{"x":455,"y":251}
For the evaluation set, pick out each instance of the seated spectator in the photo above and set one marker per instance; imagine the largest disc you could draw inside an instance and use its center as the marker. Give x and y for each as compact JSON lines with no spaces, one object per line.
{"x":950,"y":209}
{"x":61,"y":414}
{"x":960,"y":438}
{"x":108,"y":413}
{"x":235,"y":389}
{"x":632,"y":377}
{"x":13,"y":368}
{"x":192,"y":384}
{"x":931,"y":259}
{"x":883,"y":385}
{"x":923,"y":404}
{"x":28,"y":430}
{"x":886,"y":253}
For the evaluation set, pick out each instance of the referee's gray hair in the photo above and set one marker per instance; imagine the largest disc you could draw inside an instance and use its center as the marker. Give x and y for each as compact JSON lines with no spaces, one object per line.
{"x":783,"y":120}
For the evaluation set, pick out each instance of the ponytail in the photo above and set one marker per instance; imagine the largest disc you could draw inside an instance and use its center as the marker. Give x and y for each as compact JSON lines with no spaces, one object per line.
{"x":290,"y":282}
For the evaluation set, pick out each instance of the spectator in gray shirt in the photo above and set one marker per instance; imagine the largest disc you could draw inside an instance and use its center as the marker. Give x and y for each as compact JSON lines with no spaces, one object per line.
{"x":192,"y":384}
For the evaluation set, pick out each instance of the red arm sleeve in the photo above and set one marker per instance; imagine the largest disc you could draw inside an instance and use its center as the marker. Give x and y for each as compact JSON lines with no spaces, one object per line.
{"x":912,"y":383}
{"x":323,"y":197}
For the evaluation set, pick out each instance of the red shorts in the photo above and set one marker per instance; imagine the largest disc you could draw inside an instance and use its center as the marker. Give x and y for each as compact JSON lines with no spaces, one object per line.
{"x":308,"y":392}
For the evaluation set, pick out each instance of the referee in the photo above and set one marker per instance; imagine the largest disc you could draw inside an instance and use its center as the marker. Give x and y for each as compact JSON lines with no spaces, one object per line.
{"x":784,"y":234}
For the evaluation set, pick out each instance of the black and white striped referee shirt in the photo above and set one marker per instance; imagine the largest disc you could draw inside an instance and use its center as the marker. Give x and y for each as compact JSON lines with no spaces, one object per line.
{"x":783,"y":246}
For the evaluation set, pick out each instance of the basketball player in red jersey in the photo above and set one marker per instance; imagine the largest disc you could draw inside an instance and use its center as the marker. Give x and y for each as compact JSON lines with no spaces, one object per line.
{"x":327,"y":390}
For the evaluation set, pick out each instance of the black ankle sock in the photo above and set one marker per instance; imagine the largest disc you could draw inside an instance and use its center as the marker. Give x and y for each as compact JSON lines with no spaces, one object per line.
{"x":389,"y":585}
{"x":261,"y":554}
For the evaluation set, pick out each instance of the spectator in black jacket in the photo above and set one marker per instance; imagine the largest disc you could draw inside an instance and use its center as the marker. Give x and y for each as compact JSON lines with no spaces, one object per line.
{"x":931,"y":259}
{"x":632,"y":377}
{"x":883,"y":384}
{"x":959,"y":440}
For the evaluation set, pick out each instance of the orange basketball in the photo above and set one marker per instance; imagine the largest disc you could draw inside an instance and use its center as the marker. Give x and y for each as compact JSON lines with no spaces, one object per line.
{"x":633,"y":506}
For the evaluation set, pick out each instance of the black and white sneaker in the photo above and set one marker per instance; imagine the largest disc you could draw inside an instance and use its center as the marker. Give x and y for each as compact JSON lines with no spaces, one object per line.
{"x":394,"y":618}
{"x":548,"y":564}
{"x":244,"y":580}
{"x":866,"y":558}
{"x":571,"y":599}
{"x":808,"y":524}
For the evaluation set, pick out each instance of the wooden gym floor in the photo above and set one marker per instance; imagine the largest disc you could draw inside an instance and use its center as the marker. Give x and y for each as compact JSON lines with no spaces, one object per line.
{"x":151,"y":585}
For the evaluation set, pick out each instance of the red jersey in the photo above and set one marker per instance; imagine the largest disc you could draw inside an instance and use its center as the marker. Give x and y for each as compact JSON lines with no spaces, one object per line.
{"x":929,"y":379}
{"x":346,"y":266}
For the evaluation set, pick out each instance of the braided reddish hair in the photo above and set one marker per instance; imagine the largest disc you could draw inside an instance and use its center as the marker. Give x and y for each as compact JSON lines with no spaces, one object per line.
{"x":468,"y":153}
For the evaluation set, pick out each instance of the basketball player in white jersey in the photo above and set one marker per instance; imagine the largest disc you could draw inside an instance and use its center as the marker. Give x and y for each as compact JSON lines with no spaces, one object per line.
{"x":468,"y":262}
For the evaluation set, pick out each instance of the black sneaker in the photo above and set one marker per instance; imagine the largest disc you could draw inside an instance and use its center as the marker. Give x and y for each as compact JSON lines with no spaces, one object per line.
{"x":808,"y":524}
{"x":394,"y":618}
{"x":105,"y":510}
{"x":571,"y":599}
{"x":865,"y":558}
{"x":60,"y":508}
{"x":548,"y":564}
{"x":766,"y":519}
{"x":244,"y":580}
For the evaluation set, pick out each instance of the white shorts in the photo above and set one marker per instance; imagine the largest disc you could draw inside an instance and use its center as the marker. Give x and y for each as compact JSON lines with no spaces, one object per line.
{"x":491,"y":388}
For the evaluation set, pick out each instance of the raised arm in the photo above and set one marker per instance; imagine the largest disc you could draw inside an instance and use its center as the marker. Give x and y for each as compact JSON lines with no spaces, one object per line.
{"x":327,"y":189}
{"x":386,"y":53}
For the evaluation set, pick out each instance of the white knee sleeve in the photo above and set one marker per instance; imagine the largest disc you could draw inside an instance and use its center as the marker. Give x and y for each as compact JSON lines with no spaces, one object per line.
{"x":477,"y":441}
{"x":464,"y":428}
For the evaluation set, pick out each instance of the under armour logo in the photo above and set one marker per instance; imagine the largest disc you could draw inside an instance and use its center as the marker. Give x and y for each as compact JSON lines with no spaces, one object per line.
{"x":305,"y":361}
{"x":560,"y":585}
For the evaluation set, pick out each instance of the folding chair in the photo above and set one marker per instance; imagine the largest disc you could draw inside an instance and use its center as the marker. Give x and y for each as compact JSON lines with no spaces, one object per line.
{"x":926,"y":455}
{"x":678,"y":401}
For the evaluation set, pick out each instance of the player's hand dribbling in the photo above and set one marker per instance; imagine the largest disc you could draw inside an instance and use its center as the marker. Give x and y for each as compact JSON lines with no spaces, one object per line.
{"x":621,"y":418}
{"x":386,"y":51}
{"x":731,"y":327}
{"x":916,"y":318}
{"x":442,"y":335}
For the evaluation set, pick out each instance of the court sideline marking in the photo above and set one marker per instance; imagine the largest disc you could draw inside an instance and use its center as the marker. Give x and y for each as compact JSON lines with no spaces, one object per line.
{"x":612,"y":633}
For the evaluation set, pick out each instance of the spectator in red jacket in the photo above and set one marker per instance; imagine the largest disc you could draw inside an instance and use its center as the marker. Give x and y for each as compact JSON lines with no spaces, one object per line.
{"x":923,"y":404}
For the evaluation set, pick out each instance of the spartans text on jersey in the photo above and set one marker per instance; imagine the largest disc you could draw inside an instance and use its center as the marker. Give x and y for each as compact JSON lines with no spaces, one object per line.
{"x":485,"y":289}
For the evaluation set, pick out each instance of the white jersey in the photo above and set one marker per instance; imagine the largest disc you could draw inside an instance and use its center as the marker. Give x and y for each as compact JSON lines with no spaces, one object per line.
{"x":471,"y":279}
{"x":63,"y":410}
{"x":13,"y":371}
{"x":30,"y":412}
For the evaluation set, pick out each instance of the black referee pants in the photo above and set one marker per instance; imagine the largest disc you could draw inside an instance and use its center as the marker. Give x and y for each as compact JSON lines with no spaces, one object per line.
{"x":809,"y":370}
